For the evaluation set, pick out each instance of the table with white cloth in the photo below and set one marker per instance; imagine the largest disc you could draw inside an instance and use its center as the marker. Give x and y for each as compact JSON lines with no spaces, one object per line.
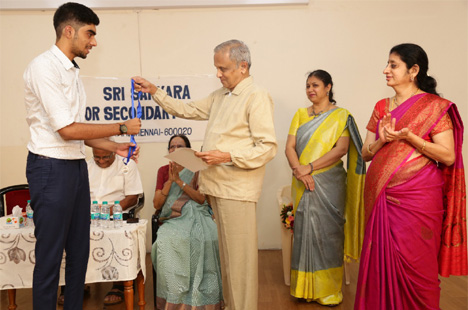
{"x":116,"y":254}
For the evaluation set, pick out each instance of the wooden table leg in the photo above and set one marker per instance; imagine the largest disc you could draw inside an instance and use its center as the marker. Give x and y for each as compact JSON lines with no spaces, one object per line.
{"x":140,"y":280}
{"x":12,"y":299}
{"x":128,"y":294}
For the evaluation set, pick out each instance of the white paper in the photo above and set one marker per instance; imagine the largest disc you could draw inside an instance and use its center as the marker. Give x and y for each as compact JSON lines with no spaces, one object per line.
{"x":186,"y":158}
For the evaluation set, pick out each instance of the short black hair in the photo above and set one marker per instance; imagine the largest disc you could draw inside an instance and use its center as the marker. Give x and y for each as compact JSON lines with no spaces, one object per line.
{"x":75,"y":14}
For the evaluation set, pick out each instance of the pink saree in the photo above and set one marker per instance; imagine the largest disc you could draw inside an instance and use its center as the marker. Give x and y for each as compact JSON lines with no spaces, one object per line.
{"x":415,"y":214}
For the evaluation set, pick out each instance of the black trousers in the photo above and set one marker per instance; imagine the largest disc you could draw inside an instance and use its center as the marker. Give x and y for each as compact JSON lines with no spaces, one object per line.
{"x":61,"y":202}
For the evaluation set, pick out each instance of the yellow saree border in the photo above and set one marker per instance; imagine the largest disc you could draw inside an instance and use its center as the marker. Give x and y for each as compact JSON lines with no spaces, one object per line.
{"x":326,"y":136}
{"x":312,"y":284}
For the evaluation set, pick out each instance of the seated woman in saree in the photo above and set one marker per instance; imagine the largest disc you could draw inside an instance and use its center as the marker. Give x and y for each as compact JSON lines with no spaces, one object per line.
{"x":185,"y":253}
{"x":328,"y":201}
{"x":414,"y":191}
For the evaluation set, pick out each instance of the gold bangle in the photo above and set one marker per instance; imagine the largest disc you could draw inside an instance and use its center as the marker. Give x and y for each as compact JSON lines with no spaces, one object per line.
{"x":368,"y":149}
{"x":423,"y":147}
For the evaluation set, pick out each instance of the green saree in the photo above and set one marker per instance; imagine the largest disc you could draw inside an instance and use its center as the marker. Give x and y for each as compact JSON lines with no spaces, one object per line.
{"x":185,"y":254}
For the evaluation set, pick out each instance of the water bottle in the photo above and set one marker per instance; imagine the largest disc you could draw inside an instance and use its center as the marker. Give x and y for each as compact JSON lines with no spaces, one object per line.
{"x":117,"y":215}
{"x":29,"y":214}
{"x":105,"y":215}
{"x":95,"y":214}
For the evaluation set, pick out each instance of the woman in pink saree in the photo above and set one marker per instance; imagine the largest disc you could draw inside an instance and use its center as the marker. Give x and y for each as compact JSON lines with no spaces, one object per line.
{"x":415,"y":196}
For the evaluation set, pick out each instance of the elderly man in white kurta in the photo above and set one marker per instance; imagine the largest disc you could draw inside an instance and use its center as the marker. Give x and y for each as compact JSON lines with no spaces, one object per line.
{"x":111,"y":180}
{"x":239,"y":141}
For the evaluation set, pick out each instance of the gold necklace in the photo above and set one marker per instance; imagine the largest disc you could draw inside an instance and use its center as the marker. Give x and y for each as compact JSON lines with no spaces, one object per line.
{"x":395,"y":101}
{"x":319,"y":113}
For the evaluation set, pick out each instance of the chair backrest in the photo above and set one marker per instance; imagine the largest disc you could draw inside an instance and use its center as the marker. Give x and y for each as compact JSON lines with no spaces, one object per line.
{"x":283,"y":196}
{"x":11,"y":196}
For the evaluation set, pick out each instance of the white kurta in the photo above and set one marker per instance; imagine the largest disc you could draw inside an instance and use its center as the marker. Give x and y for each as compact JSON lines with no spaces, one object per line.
{"x":112,"y":183}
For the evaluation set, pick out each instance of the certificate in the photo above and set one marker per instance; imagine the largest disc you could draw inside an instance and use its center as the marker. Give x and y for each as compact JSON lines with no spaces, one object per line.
{"x":186,"y":158}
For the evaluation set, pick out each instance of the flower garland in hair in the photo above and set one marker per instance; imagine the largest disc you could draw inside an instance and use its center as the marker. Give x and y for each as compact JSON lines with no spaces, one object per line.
{"x":287,"y":216}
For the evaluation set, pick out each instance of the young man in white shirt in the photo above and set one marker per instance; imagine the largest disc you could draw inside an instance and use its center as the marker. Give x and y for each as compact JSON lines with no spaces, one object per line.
{"x":56,"y":168}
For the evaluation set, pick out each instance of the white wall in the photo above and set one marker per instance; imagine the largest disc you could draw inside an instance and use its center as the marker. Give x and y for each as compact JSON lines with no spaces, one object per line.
{"x":350,"y":39}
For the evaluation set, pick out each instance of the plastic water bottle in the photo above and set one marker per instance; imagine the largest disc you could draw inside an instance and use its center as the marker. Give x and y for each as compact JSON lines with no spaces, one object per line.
{"x":29,"y":214}
{"x":105,"y":215}
{"x":117,"y":215}
{"x":95,"y":214}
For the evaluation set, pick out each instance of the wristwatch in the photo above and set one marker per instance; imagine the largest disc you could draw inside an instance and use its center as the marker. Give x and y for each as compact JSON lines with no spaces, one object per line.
{"x":123,"y":129}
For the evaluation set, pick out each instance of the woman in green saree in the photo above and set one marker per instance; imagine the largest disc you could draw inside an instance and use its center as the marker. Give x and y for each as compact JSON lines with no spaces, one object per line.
{"x":328,"y":201}
{"x":185,"y":254}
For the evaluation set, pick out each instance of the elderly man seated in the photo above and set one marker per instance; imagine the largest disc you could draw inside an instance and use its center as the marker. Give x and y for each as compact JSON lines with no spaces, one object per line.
{"x":110,"y":180}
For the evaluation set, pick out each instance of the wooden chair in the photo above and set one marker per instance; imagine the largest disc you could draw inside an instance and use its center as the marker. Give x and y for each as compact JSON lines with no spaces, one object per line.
{"x":11,"y":196}
{"x":133,"y":213}
{"x":284,"y":197}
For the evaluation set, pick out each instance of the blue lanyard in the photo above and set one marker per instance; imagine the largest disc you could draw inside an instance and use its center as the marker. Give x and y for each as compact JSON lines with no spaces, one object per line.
{"x":132,"y":149}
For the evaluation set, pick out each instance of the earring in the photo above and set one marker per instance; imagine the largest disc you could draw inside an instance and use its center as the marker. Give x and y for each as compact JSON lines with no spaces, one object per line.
{"x":412,"y":78}
{"x":328,"y":93}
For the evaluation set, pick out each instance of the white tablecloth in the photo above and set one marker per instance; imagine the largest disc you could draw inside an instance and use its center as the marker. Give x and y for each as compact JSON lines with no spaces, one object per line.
{"x":115,"y":255}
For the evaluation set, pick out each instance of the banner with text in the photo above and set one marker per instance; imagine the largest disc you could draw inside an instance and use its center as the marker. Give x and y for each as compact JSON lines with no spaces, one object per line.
{"x":109,"y":101}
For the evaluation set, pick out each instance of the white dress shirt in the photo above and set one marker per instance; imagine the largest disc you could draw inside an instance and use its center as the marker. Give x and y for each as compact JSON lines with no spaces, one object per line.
{"x":54,"y":98}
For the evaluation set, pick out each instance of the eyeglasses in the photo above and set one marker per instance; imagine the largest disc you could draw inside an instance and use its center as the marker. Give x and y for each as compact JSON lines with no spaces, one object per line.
{"x":102,"y":157}
{"x":173,"y":147}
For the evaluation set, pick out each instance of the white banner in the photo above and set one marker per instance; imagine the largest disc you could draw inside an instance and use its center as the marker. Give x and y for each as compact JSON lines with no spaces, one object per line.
{"x":109,"y":101}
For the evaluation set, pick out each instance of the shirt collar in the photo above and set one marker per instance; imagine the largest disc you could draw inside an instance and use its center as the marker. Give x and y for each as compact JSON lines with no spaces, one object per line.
{"x":241,"y":86}
{"x":67,"y":64}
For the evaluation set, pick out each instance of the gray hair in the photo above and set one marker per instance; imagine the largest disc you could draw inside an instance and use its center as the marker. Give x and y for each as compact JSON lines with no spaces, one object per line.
{"x":238,"y":51}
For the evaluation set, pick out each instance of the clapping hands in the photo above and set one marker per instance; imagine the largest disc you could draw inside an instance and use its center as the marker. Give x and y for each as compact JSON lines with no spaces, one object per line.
{"x":387,"y":132}
{"x":174,"y":170}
